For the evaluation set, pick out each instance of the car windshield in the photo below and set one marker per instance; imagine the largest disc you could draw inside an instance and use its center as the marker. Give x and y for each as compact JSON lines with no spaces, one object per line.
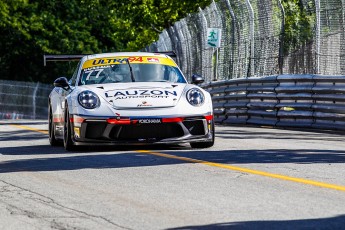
{"x":122,"y":73}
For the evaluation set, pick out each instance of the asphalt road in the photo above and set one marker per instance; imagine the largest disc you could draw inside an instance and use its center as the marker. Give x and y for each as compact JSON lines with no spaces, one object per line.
{"x":253,"y":178}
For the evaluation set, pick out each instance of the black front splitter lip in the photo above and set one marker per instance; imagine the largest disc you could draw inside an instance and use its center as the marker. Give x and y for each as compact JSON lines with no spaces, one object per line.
{"x":146,"y":142}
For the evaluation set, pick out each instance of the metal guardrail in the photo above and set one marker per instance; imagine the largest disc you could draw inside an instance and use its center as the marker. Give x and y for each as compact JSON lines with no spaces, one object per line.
{"x":23,"y":100}
{"x":309,"y":101}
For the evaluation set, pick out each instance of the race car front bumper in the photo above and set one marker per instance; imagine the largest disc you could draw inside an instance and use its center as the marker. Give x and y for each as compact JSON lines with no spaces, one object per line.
{"x":142,"y":130}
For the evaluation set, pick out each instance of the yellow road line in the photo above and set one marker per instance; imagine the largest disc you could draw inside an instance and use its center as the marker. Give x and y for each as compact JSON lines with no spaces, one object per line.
{"x":29,"y":128}
{"x":224,"y":166}
{"x":249,"y":171}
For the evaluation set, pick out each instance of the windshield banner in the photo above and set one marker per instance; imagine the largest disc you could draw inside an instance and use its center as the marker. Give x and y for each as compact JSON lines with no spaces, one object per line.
{"x":123,"y":60}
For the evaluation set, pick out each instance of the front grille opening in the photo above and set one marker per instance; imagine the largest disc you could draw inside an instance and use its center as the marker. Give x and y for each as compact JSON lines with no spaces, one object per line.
{"x":195,"y":127}
{"x":146,"y":131}
{"x":95,"y":130}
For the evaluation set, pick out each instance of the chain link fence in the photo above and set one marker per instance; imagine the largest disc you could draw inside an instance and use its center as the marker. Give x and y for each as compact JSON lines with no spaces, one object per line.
{"x":23,"y":100}
{"x":254,"y":41}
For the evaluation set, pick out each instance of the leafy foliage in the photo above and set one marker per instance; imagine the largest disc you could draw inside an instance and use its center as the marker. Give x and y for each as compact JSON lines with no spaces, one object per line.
{"x":299,"y":22}
{"x":29,"y":29}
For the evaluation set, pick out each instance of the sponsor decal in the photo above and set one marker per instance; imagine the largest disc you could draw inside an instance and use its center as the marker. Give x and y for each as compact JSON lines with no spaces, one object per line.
{"x":155,"y":60}
{"x":106,"y":61}
{"x":141,"y":93}
{"x":102,"y":61}
{"x":76,"y":132}
{"x":144,"y":104}
{"x":150,"y":121}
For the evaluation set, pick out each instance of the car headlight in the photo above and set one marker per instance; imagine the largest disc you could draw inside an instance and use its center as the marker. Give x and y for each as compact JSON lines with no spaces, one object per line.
{"x":195,"y":97}
{"x":88,"y":99}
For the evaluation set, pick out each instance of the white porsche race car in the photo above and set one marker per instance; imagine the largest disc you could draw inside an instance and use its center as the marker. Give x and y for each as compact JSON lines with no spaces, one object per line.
{"x":129,"y":98}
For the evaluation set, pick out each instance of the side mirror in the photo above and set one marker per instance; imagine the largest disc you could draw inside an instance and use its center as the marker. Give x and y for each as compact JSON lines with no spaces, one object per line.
{"x":197,"y":79}
{"x":62,"y":82}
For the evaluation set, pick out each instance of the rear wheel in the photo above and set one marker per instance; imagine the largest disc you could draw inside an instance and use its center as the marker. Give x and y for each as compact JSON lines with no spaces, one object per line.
{"x":200,"y":145}
{"x":68,"y":141}
{"x":51,"y":129}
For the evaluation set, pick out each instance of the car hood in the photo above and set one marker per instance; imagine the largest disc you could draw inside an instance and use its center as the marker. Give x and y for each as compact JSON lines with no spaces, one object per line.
{"x":139,"y":94}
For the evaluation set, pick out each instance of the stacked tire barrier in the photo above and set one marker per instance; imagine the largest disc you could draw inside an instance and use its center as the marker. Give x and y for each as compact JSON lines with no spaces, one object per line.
{"x":308,"y":101}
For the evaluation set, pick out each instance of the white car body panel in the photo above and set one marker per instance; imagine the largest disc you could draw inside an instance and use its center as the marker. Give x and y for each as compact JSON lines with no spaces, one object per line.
{"x":133,"y":101}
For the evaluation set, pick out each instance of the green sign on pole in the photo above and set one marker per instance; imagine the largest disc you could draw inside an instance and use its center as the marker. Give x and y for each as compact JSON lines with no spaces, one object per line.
{"x":214,"y":36}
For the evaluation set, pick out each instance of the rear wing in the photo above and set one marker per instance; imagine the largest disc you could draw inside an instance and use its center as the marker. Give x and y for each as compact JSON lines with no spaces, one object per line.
{"x":62,"y":57}
{"x":77,"y":57}
{"x":169,"y":53}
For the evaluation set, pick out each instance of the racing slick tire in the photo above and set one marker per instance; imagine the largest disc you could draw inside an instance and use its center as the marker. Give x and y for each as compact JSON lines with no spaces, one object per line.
{"x":68,"y":141}
{"x":51,"y":129}
{"x":200,"y":145}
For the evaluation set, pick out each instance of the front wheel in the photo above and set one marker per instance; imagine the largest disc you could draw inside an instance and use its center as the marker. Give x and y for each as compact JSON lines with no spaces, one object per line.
{"x":51,"y":129}
{"x":68,"y":141}
{"x":200,"y":145}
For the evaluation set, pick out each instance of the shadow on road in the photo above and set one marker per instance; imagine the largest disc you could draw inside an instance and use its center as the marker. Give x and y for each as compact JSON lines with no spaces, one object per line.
{"x":98,"y":158}
{"x":21,"y":135}
{"x":337,"y":222}
{"x":47,"y":158}
{"x":280,"y":134}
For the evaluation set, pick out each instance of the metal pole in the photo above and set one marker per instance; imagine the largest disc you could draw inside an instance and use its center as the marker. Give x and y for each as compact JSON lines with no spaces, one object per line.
{"x":318,"y":35}
{"x":203,"y":57}
{"x":216,"y":50}
{"x":250,"y":71}
{"x":34,"y":94}
{"x":281,"y":39}
{"x":163,"y":42}
{"x":235,"y":28}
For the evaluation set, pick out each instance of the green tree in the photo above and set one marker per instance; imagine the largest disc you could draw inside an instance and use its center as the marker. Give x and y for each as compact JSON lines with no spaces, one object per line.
{"x":299,"y":23}
{"x":29,"y":29}
{"x":144,"y":19}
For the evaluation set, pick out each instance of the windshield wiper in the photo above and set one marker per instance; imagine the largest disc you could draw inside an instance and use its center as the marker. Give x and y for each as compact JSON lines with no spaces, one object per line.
{"x":131,"y":70}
